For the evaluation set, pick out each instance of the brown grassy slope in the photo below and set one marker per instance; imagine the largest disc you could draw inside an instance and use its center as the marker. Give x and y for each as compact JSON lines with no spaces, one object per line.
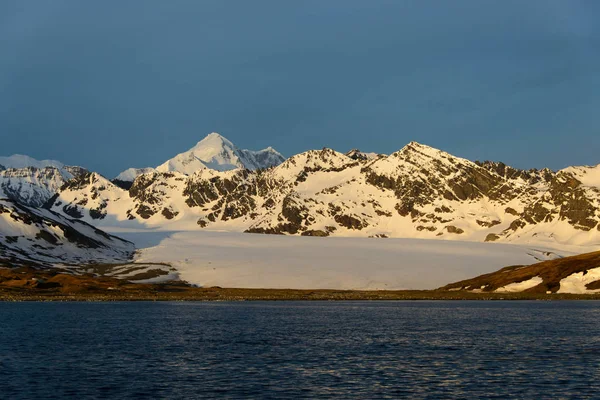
{"x":28,"y":284}
{"x":552,"y":272}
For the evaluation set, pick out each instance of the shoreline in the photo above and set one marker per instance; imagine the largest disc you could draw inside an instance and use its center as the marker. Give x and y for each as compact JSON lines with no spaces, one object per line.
{"x":181,"y":293}
{"x":29,"y":284}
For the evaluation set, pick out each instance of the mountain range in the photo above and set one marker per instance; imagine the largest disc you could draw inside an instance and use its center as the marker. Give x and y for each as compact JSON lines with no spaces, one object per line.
{"x":416,"y":192}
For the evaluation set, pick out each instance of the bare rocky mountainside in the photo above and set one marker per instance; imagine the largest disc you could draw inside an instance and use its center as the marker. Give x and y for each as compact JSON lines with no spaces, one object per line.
{"x":418,"y":192}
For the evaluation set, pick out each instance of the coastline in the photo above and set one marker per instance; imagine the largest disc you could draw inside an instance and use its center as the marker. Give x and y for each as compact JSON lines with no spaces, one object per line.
{"x":182,"y":293}
{"x":30,"y":284}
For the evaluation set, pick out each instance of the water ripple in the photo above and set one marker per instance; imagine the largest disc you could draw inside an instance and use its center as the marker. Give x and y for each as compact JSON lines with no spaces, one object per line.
{"x":300,"y":350}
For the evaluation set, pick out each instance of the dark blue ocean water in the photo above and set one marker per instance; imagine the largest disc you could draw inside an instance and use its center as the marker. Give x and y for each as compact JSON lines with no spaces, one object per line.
{"x":528,"y":350}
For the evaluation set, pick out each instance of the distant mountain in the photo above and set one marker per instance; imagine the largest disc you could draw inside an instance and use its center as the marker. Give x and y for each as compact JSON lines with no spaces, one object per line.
{"x":125,"y":179}
{"x":417,"y":192}
{"x":213,"y":152}
{"x":32,"y":182}
{"x":40,"y":237}
{"x":20,"y":161}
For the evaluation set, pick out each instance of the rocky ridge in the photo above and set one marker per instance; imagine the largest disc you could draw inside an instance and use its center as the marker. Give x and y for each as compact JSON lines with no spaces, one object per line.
{"x":417,"y":191}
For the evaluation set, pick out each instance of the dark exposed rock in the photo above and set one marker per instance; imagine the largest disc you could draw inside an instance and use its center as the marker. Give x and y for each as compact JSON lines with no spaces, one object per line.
{"x":168,"y":213}
{"x":379,"y":181}
{"x":202,"y":223}
{"x":517,"y":224}
{"x":11,"y":239}
{"x":487,"y":224}
{"x":531,"y":176}
{"x":454,"y":229}
{"x":537,"y":213}
{"x":140,"y":189}
{"x":492,"y":237}
{"x":404,"y":209}
{"x":382,"y":213}
{"x":47,"y":236}
{"x":293,"y":212}
{"x":96,"y":213}
{"x":357,"y":155}
{"x":145,"y":212}
{"x":72,"y":211}
{"x":350,"y":222}
{"x":316,"y":232}
{"x":237,"y":208}
{"x":280,"y":229}
{"x":269,"y":203}
{"x":125,"y":185}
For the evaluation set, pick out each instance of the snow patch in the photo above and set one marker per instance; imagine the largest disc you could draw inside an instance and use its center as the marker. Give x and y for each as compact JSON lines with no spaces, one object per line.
{"x":520,"y":286}
{"x":576,"y":282}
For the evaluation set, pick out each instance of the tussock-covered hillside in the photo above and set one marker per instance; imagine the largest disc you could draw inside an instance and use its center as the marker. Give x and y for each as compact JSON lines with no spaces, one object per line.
{"x":577,"y":274}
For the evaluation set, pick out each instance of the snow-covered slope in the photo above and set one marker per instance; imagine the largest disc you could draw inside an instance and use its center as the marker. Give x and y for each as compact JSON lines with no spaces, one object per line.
{"x":270,"y":261}
{"x":417,"y":192}
{"x":32,"y":182}
{"x":43,"y":238}
{"x":588,"y":176}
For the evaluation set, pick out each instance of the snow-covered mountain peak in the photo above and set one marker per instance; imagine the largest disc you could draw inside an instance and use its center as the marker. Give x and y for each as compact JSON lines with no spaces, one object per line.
{"x":218,"y":153}
{"x":213,"y":145}
{"x":423,"y":151}
{"x":23,"y":161}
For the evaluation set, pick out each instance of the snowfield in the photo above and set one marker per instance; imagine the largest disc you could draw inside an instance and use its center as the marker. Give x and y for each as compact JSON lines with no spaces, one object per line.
{"x":576,"y":283}
{"x":231,"y":259}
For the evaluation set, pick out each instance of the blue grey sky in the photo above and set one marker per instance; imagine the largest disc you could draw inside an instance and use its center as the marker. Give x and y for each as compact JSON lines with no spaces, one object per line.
{"x":122,"y":83}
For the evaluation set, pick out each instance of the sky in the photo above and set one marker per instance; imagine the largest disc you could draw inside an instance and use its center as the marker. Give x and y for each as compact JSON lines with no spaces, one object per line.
{"x":130,"y":83}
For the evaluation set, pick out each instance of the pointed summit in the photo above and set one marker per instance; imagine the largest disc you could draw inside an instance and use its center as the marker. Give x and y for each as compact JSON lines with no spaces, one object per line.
{"x":419,"y":147}
{"x":417,"y":151}
{"x":213,"y":140}
{"x":218,"y":153}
